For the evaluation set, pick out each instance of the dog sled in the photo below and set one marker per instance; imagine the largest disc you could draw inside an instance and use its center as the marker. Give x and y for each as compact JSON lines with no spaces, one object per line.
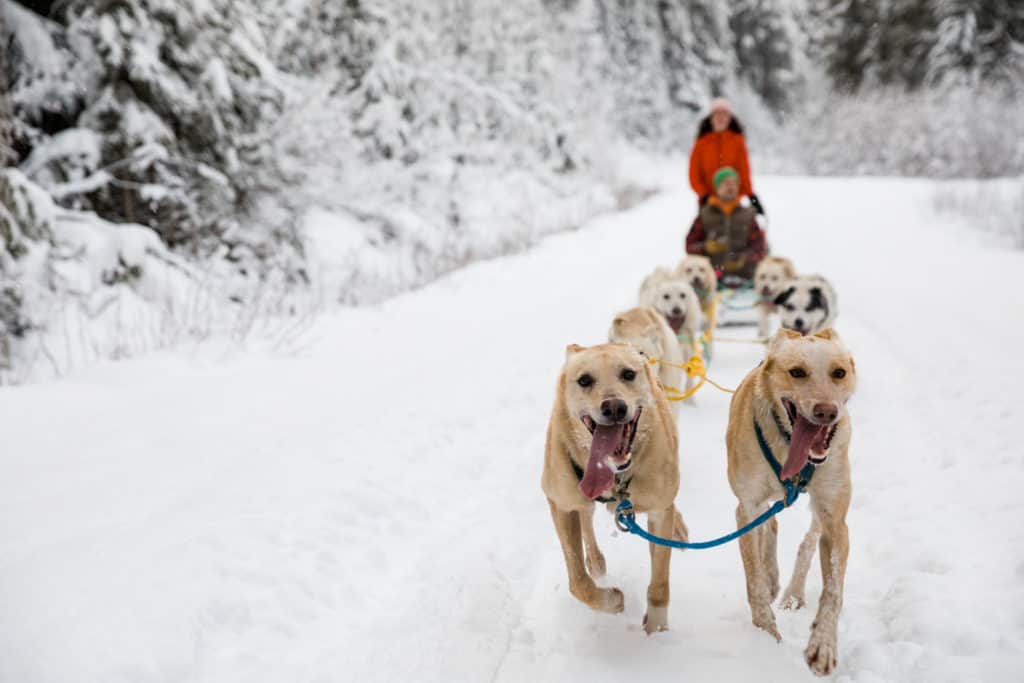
{"x":737,"y":302}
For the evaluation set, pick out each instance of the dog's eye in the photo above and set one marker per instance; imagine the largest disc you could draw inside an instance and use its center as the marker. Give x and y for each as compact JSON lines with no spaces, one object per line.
{"x":838,"y":373}
{"x":790,"y":307}
{"x":682,"y":295}
{"x":585,"y":381}
{"x":628,"y":375}
{"x":667,"y":297}
{"x":797,"y":373}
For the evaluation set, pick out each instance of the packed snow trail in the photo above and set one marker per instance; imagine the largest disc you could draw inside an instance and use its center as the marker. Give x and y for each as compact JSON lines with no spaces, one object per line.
{"x":371,"y":509}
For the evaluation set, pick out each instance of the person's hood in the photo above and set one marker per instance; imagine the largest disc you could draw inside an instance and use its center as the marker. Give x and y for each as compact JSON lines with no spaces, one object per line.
{"x":705,"y":126}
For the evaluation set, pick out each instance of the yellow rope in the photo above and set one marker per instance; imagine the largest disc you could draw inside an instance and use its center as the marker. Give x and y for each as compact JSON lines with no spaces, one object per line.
{"x":694,"y":368}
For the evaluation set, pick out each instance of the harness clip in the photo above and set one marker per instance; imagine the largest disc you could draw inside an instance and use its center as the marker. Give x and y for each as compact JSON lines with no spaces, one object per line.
{"x":624,"y":512}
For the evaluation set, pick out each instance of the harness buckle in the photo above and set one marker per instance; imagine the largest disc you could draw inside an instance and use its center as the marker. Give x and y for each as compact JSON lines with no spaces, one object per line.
{"x":624,"y":510}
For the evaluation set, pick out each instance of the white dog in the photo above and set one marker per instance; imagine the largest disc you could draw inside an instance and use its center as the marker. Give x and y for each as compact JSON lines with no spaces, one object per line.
{"x":677,"y":302}
{"x":807,"y":304}
{"x":772,"y":273}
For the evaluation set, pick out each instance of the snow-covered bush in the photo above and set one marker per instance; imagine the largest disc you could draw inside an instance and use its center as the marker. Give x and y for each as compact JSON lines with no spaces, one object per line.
{"x":995,"y":207}
{"x":949,"y":133}
{"x":76,"y":287}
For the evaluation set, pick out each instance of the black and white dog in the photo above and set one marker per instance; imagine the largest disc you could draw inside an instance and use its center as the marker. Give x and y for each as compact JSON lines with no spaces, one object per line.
{"x":807,"y":304}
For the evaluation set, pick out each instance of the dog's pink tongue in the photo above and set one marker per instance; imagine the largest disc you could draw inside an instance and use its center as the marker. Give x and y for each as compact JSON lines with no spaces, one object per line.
{"x":805,"y":435}
{"x":675,"y":323}
{"x":599,"y":475}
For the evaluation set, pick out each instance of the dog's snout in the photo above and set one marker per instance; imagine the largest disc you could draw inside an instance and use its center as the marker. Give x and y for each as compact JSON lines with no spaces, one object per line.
{"x":614,"y":409}
{"x":766,"y":290}
{"x":825,"y":412}
{"x":676,"y":311}
{"x":799,"y":324}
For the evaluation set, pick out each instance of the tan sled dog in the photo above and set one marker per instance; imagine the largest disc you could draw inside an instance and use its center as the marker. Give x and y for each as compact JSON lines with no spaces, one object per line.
{"x":797,"y":399}
{"x":771,"y":275}
{"x":646,"y":330}
{"x":611,"y":435}
{"x":697,"y":270}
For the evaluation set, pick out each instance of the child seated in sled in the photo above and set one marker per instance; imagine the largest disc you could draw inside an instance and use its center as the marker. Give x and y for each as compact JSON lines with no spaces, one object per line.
{"x":726,"y":231}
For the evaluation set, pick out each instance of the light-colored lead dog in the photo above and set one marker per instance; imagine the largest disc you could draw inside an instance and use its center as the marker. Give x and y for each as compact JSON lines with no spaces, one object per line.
{"x":797,"y":399}
{"x":611,"y":434}
{"x":646,"y":330}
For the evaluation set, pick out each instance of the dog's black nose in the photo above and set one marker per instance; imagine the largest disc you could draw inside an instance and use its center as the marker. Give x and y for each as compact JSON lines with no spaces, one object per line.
{"x":614,"y":409}
{"x":799,"y":324}
{"x":766,"y":291}
{"x":825,"y":412}
{"x":677,"y":311}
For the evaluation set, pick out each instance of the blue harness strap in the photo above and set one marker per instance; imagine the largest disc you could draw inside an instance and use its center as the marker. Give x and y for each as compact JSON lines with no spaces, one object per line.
{"x":625,"y":517}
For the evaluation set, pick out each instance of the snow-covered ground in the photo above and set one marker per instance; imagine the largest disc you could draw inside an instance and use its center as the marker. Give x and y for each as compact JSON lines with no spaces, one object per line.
{"x":370,"y":510}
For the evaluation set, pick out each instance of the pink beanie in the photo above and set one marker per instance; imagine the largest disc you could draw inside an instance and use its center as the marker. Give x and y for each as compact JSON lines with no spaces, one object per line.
{"x":720,"y":104}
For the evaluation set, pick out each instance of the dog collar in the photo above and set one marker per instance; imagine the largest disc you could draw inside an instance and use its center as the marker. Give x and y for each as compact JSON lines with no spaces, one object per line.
{"x":786,"y":436}
{"x":800,"y":481}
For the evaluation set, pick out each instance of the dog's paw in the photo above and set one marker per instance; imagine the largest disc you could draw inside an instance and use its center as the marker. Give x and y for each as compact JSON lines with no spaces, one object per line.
{"x":595,"y":564}
{"x":792,"y":601}
{"x":821,"y":653}
{"x":656,"y":620}
{"x":610,"y":600}
{"x":765,"y":620}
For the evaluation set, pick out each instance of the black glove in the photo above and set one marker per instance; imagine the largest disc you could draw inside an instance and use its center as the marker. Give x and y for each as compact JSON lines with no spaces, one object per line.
{"x":704,"y":199}
{"x":756,"y":203}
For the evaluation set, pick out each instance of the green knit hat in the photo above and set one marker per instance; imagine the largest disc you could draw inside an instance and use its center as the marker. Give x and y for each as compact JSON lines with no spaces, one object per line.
{"x":723,"y":173}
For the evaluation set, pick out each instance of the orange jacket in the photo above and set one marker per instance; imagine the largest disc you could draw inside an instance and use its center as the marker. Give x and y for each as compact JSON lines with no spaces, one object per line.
{"x":711,"y":152}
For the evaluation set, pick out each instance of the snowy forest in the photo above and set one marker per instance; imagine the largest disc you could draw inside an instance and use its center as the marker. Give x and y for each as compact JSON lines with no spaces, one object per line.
{"x":174,"y":168}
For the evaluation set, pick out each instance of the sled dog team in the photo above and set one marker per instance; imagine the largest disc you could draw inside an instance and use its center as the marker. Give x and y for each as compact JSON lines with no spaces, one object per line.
{"x":613,"y":435}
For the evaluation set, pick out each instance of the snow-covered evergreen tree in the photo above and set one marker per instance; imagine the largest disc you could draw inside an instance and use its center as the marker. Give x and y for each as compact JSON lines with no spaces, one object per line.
{"x":764,"y":44}
{"x":977,"y":42}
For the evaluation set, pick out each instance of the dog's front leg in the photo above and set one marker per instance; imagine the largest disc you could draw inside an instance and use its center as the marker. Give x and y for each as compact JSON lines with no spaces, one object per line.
{"x":758,"y":581}
{"x":660,"y":523}
{"x":793,"y":597}
{"x":594,"y":557}
{"x":770,"y":557}
{"x":763,"y":329}
{"x":567,"y":524}
{"x":822,"y":649}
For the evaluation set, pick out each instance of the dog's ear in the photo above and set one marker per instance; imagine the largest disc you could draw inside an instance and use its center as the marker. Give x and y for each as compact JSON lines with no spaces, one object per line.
{"x":572,"y":349}
{"x":828,"y":334}
{"x":618,"y":322}
{"x":784,"y":295}
{"x":789,"y":270}
{"x":780,"y":338}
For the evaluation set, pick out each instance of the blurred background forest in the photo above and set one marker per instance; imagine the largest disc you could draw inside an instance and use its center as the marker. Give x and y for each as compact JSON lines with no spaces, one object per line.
{"x":172,"y":164}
